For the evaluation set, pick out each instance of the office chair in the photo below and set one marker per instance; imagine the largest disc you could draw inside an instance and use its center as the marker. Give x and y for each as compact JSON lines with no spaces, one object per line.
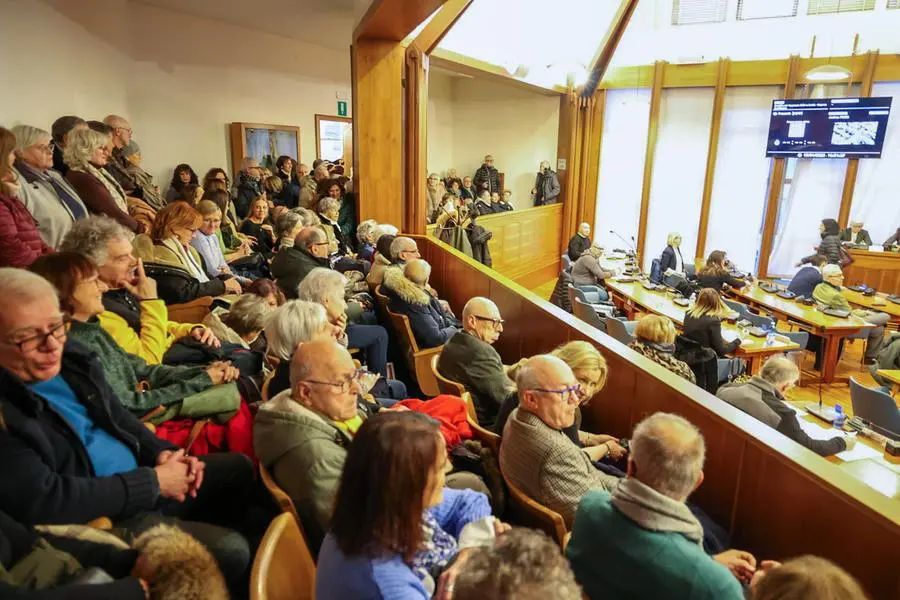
{"x":585,"y":296}
{"x":622,"y":331}
{"x":876,"y":407}
{"x":655,"y":271}
{"x":801,"y":338}
{"x":584,"y":311}
{"x":566,"y":263}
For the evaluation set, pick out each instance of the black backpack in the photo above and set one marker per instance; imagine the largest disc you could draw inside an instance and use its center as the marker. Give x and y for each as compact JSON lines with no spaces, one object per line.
{"x":701,"y":360}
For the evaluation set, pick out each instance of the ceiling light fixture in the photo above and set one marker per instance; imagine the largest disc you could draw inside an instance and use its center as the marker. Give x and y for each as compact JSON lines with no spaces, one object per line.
{"x":827,"y":73}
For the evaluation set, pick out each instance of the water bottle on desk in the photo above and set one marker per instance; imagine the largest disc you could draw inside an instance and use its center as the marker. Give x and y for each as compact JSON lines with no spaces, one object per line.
{"x":839,"y":417}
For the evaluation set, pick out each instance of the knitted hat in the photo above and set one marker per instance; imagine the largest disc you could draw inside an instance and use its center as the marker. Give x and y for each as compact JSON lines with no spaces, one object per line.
{"x":130,"y":148}
{"x":831,"y":270}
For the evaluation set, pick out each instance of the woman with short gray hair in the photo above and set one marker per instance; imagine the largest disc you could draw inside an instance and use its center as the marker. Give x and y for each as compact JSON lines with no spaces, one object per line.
{"x":293,"y":323}
{"x":53,"y":203}
{"x":87,"y":153}
{"x":242,"y":322}
{"x":365,"y":235}
{"x":287,"y":226}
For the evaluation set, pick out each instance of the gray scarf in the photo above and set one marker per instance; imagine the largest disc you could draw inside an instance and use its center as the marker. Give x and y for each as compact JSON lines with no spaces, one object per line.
{"x":651,"y":510}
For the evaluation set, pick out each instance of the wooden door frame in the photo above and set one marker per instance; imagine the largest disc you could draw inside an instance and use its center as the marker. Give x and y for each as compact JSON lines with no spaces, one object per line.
{"x":319,"y":119}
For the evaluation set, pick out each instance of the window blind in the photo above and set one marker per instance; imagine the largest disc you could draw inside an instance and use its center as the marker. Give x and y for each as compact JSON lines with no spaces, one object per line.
{"x":830,"y":7}
{"x":766,"y":9}
{"x":691,"y":12}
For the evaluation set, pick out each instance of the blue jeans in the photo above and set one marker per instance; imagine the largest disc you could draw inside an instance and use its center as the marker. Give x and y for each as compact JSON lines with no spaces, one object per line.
{"x":601,"y":294}
{"x":373,"y":341}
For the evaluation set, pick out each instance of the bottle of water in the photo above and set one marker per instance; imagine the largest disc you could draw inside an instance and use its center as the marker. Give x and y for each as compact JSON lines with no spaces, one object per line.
{"x":839,"y":417}
{"x":770,"y":338}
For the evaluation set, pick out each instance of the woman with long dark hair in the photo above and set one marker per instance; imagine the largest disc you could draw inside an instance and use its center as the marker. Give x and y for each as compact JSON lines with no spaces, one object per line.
{"x":830,"y":246}
{"x":183,"y":176}
{"x":716,"y":275}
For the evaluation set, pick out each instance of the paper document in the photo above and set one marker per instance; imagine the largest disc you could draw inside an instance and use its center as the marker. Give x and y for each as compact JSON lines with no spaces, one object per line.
{"x":729,"y":335}
{"x":859,"y":452}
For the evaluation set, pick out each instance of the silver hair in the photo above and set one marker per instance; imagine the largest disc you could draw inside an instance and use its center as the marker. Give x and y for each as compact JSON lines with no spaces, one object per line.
{"x":327,"y":203}
{"x":286,"y":222}
{"x":779,"y":369}
{"x":322,"y":284}
{"x":321,"y":170}
{"x":385,"y":229}
{"x":92,"y":236}
{"x":247,"y":314}
{"x":80,"y":146}
{"x":365,"y":229}
{"x":399,"y":245}
{"x":418,"y":271}
{"x":668,"y":453}
{"x":248,"y":162}
{"x":308,"y":217}
{"x":292,"y":323}
{"x":18,"y":286}
{"x":532,"y":372}
{"x":26,"y":136}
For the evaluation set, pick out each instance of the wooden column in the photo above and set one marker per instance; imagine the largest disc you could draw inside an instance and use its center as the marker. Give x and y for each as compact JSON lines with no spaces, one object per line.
{"x":416,"y":140}
{"x":776,"y":181}
{"x":853,"y":164}
{"x":592,"y":159}
{"x":659,"y":72}
{"x":609,"y":44}
{"x":711,"y":153}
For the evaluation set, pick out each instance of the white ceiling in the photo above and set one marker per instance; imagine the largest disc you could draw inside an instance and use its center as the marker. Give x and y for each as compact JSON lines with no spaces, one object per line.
{"x":324,"y":22}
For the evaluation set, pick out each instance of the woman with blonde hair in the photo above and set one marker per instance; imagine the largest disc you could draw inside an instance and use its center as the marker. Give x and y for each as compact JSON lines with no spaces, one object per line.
{"x":703,"y":324}
{"x":804,"y":578}
{"x":671,"y":263}
{"x":654,"y":337}
{"x":20,"y":242}
{"x":258,"y":227}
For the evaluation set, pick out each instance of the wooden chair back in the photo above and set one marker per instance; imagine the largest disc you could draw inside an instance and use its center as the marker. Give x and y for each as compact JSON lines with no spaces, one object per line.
{"x":190,"y":312}
{"x":446,"y":386}
{"x":488,"y":438}
{"x":281,"y":497}
{"x":418,"y":359}
{"x":264,"y":392}
{"x":530,"y":513}
{"x":283,"y":568}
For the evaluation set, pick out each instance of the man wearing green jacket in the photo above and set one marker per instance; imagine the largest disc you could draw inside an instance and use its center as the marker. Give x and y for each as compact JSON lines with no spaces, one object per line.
{"x":642,"y":541}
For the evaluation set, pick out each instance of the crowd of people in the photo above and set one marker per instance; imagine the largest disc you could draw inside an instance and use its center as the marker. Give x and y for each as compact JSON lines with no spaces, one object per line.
{"x":113,"y":409}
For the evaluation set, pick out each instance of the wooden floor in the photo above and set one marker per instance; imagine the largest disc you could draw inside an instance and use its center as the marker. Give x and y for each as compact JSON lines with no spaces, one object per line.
{"x":849,"y":366}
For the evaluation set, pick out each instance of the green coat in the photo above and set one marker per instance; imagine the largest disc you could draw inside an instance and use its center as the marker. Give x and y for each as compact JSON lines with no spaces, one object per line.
{"x":830,"y":296}
{"x":613,"y":558}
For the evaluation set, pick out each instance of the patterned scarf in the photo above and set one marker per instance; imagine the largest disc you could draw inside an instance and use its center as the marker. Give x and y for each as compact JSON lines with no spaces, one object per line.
{"x":438,"y":549}
{"x":112,"y":186}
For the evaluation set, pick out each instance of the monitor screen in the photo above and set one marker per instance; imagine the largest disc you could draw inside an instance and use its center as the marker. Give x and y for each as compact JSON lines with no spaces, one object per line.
{"x":828,"y":128}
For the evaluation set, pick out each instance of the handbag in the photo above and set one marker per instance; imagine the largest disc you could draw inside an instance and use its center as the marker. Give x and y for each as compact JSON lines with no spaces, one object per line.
{"x":846,"y":260}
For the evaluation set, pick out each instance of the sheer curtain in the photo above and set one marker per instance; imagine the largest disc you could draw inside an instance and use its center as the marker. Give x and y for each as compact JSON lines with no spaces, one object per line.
{"x":738,"y":200}
{"x":876,"y":199}
{"x":679,"y":167}
{"x":623,"y":146}
{"x":814,"y":193}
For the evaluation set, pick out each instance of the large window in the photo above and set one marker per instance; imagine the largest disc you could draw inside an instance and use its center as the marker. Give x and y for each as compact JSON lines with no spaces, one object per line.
{"x":679,"y":168}
{"x":742,"y":172}
{"x":623,"y":147}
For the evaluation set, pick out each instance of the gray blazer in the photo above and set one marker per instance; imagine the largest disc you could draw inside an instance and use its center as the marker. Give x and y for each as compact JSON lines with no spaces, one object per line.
{"x":546,"y":465}
{"x":54,"y":219}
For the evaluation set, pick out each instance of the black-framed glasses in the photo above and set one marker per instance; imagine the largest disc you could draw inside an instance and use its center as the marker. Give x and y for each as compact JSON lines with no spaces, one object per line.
{"x":39,"y":340}
{"x":566,"y":394}
{"x":495,"y":322}
{"x":344,"y":385}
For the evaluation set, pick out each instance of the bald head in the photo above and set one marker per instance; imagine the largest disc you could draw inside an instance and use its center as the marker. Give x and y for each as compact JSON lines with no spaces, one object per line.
{"x":418,"y":271}
{"x":316,"y":359}
{"x":667,"y":454}
{"x":309,"y":236}
{"x":584,"y":229}
{"x":121,"y":130}
{"x":546,"y":387}
{"x":780,"y":372}
{"x":404,"y":249}
{"x":323,"y":379}
{"x":481,"y":318}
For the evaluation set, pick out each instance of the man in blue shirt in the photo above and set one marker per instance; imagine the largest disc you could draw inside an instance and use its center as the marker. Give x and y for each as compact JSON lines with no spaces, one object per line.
{"x":807,"y":278}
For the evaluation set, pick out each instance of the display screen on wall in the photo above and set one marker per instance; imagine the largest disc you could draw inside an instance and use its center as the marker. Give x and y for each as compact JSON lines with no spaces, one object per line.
{"x":828,"y":128}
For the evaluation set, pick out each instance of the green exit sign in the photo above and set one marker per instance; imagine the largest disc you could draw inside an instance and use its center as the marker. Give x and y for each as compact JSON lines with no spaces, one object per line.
{"x":342,"y":108}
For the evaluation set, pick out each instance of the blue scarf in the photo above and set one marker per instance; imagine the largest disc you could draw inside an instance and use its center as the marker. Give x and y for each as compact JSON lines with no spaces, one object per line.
{"x":438,"y":549}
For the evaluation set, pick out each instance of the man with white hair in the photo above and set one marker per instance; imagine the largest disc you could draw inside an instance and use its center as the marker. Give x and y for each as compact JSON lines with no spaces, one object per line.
{"x":72,"y":453}
{"x":580,"y":242}
{"x":117,"y":165}
{"x":536,"y":455}
{"x":763,"y":398}
{"x":641,"y":540}
{"x":856,"y":235}
{"x":487,"y":177}
{"x":470,"y":359}
{"x":291,"y":265}
{"x":135,"y":316}
{"x":249,"y":186}
{"x":546,"y":185}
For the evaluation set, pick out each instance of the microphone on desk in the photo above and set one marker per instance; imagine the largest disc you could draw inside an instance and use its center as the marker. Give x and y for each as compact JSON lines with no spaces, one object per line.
{"x":632,"y":246}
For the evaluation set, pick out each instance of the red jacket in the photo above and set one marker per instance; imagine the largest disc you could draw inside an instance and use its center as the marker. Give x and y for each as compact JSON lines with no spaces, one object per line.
{"x":20,"y":242}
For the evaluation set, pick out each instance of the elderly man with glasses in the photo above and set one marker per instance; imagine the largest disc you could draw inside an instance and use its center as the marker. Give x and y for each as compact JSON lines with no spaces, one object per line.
{"x":291,"y":265}
{"x":536,"y":455}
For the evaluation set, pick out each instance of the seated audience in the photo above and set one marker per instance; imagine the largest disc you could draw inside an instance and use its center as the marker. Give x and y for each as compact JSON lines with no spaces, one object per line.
{"x":523,"y":564}
{"x":507,"y":199}
{"x":273,"y":187}
{"x":654,"y":337}
{"x":258,"y":227}
{"x":117,"y":166}
{"x":828,"y":294}
{"x":450,"y":178}
{"x":133,"y":159}
{"x":206,"y":243}
{"x":215,"y":179}
{"x":580,"y":242}
{"x":398,"y":545}
{"x":830,"y":246}
{"x":893,"y":240}
{"x":60,"y":131}
{"x":300,"y":171}
{"x":470,"y":359}
{"x":536,"y":455}
{"x":703,"y":324}
{"x":408,"y":294}
{"x":499,"y":203}
{"x":139,"y":387}
{"x":235,"y":245}
{"x":715,"y":274}
{"x":135,"y":317}
{"x":805,"y":578}
{"x":87,"y":153}
{"x":888,"y":359}
{"x":587,"y":270}
{"x":763,"y":398}
{"x":53,"y":203}
{"x":365,"y":236}
{"x":434,"y":190}
{"x":546,"y":185}
{"x":856,"y":235}
{"x":347,"y":218}
{"x":268,"y":289}
{"x":241,"y":323}
{"x":671,"y":263}
{"x":309,"y":185}
{"x":72,"y":453}
{"x":182,"y":177}
{"x":329,"y":210}
{"x":287,"y":226}
{"x":249,"y":186}
{"x":291,"y":265}
{"x":20,"y":241}
{"x":483,"y":204}
{"x":808,"y":277}
{"x":381,"y":260}
{"x":190,"y":193}
{"x":169,"y":245}
{"x":641,"y":540}
{"x":467,"y":191}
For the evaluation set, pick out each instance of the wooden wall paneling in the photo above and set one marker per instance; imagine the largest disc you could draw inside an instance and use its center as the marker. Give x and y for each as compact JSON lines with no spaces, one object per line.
{"x":659,"y":73}
{"x":587,"y":108}
{"x":573,"y":171}
{"x":592,"y":160}
{"x":416,"y":140}
{"x":378,"y":129}
{"x":776,"y":182}
{"x":608,"y":45}
{"x":563,"y":145}
{"x":871,"y":60}
{"x":711,"y":154}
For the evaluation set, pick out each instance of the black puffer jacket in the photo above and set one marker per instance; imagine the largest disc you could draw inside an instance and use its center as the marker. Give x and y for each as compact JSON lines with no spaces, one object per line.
{"x":176,"y":286}
{"x":830,"y":246}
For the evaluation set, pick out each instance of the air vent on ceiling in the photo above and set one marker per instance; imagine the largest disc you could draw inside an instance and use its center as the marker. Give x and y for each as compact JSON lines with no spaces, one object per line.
{"x":691,"y":12}
{"x":766,"y":9}
{"x":830,"y":7}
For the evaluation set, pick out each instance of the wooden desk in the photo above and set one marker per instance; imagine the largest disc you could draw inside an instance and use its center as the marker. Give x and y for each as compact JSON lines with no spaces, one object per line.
{"x":872,"y":303}
{"x":880,"y":270}
{"x":753,"y":349}
{"x":830,"y":329}
{"x":892,"y":375}
{"x":775,"y":498}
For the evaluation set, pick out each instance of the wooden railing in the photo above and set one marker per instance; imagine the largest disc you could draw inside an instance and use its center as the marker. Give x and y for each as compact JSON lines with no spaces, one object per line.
{"x":775,"y":497}
{"x":880,"y":270}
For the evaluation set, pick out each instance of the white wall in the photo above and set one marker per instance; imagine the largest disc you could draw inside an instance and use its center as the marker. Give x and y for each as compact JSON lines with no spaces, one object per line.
{"x":517,"y":127}
{"x":179,"y":79}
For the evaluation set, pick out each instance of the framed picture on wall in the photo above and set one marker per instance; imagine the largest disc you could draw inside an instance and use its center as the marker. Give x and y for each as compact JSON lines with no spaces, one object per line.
{"x":263,"y":142}
{"x":334,"y":138}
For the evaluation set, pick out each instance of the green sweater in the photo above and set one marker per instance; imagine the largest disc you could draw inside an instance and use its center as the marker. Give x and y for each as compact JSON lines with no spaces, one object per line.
{"x":830,"y":296}
{"x":168,"y":385}
{"x":613,"y":558}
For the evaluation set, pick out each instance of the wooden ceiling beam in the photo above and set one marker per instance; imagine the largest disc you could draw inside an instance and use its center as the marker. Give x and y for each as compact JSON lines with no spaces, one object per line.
{"x":432,"y":34}
{"x":608,"y":45}
{"x":459,"y":63}
{"x":393,"y":20}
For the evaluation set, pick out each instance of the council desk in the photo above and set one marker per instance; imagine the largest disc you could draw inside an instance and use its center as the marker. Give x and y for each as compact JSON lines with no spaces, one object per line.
{"x":877,"y":269}
{"x":775,"y":497}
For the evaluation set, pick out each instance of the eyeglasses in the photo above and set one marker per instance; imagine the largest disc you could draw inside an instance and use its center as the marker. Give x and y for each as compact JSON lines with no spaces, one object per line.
{"x":128,"y":129}
{"x":566,"y":394}
{"x":48,"y":148}
{"x":345,"y":385}
{"x":39,"y":340}
{"x":495,"y":322}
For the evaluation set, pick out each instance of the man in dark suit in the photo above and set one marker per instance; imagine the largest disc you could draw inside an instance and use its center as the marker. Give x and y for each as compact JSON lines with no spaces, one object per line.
{"x":807,"y":278}
{"x":470,"y":359}
{"x":856,"y":235}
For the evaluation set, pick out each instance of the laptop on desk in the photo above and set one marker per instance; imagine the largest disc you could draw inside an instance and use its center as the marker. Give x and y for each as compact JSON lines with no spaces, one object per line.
{"x":826,"y":413}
